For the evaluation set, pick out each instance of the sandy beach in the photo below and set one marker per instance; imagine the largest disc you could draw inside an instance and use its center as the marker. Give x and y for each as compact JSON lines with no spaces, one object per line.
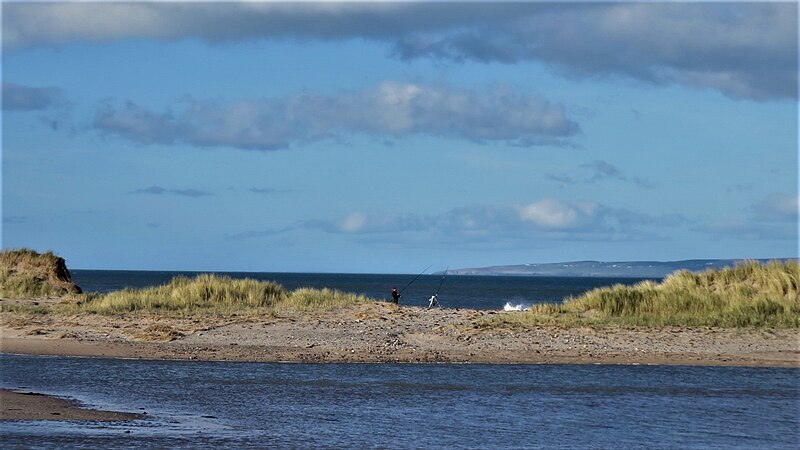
{"x":34,"y":406}
{"x":383,"y":332}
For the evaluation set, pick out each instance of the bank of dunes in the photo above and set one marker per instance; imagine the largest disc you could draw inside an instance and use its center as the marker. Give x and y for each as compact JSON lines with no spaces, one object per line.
{"x":214,"y":294}
{"x":26,"y":274}
{"x":750,"y":294}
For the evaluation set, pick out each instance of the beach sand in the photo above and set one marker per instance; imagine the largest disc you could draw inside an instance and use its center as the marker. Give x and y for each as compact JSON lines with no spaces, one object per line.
{"x":384,"y":332}
{"x":33,"y":406}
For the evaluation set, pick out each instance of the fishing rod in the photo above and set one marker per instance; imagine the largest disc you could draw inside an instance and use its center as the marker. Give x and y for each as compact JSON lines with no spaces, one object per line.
{"x":434,"y":300}
{"x":415,"y":279}
{"x":442,"y":281}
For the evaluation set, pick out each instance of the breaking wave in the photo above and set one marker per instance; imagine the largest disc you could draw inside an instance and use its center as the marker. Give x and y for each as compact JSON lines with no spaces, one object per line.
{"x":518,"y":307}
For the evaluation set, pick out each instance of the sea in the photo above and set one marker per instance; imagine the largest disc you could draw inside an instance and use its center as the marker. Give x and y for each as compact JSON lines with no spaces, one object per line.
{"x":455,"y":291}
{"x":197,"y":404}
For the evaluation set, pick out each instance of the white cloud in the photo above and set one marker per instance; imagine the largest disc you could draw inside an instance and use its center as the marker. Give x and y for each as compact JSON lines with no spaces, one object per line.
{"x":549,"y":214}
{"x":392,"y":108}
{"x":778,"y":207}
{"x":541,"y":220}
{"x":353,"y":223}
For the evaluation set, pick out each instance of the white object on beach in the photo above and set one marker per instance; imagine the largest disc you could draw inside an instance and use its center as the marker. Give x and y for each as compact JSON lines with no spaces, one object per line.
{"x":520,"y":307}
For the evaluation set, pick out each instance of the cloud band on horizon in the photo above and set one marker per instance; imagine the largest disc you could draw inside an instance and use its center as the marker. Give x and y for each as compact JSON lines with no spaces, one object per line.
{"x":543,"y":219}
{"x":158,"y":190}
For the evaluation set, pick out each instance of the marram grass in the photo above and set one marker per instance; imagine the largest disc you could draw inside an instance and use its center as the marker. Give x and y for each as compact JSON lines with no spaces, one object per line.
{"x":24,"y":285}
{"x":26,"y":258}
{"x":216,"y":295}
{"x":748,"y":295}
{"x":307,"y":299}
{"x":25,"y":273}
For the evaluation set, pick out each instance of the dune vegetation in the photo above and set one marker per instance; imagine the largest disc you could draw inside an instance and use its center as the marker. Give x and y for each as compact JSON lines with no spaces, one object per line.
{"x":28,"y":274}
{"x":217,"y":295}
{"x":25,"y":273}
{"x":185,"y":295}
{"x":751,"y":294}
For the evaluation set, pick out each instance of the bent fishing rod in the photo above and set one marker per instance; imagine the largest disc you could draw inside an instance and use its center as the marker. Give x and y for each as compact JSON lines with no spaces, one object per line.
{"x":434,"y":298}
{"x":442,"y":281}
{"x":415,"y":279}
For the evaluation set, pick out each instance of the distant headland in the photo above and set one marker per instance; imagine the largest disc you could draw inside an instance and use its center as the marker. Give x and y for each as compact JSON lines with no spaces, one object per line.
{"x":619,"y":269}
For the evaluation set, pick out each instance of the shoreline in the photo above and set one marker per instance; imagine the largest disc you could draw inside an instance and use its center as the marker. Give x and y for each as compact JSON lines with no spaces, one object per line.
{"x":777,"y":360}
{"x":386,"y":333}
{"x":36,"y":406}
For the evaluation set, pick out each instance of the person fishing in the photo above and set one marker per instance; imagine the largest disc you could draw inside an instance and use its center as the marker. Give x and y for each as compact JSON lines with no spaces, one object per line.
{"x":397,"y":294}
{"x":433,"y":301}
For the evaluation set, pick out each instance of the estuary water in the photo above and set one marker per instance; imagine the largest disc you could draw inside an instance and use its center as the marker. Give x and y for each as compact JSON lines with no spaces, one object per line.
{"x":269,"y":405}
{"x":194,"y":404}
{"x":462,"y":291}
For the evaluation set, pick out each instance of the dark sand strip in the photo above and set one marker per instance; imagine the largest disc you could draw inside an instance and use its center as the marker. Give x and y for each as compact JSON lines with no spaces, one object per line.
{"x":33,"y":406}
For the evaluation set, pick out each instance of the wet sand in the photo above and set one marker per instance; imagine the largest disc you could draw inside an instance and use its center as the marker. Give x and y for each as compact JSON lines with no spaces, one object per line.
{"x":383,"y":332}
{"x":33,"y":406}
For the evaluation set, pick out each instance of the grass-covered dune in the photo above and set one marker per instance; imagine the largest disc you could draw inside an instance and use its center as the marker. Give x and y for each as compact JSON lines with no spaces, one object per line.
{"x":751,"y":294}
{"x":26,"y":273}
{"x":748,"y":295}
{"x":219,"y":295}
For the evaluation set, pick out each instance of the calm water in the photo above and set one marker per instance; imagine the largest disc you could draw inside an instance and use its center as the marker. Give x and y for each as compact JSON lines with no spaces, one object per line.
{"x":234,"y":405}
{"x":476,"y":292}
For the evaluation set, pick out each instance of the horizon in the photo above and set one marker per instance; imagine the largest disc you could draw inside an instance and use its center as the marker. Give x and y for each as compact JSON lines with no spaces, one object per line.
{"x":435,"y":271}
{"x":378,"y":137}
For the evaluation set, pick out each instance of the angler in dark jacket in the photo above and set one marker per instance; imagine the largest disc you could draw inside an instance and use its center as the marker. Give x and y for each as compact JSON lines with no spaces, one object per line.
{"x":395,"y":296}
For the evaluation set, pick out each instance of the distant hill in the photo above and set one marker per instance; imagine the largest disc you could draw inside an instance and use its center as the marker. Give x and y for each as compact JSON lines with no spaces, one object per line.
{"x":631,"y":269}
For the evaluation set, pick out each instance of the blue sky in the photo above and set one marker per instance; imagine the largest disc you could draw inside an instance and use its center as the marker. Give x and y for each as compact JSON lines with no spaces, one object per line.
{"x":385,"y":137}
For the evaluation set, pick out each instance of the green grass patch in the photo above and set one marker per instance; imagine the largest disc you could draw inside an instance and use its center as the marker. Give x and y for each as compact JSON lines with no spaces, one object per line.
{"x":750,"y":294}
